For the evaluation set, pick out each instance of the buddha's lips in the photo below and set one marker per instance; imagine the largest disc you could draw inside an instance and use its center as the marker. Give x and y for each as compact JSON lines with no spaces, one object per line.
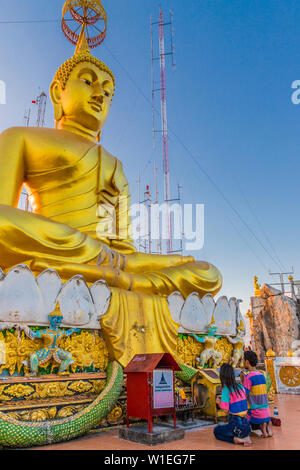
{"x":96,"y":105}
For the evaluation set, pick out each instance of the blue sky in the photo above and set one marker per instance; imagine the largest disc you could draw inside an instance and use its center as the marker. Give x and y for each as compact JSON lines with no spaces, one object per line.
{"x":229,"y":101}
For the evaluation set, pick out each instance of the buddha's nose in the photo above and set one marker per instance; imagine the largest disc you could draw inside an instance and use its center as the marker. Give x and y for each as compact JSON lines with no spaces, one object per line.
{"x":98,"y":93}
{"x":98,"y":97}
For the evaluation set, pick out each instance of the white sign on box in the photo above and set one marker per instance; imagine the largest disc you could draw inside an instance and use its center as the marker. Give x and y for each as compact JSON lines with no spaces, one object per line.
{"x":163,"y":389}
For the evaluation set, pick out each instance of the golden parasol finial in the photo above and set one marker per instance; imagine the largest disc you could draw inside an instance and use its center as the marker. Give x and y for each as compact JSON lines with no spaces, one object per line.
{"x":84,"y":14}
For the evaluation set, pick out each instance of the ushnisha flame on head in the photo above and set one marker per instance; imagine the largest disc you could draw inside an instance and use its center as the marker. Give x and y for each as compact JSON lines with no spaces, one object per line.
{"x":82,"y":54}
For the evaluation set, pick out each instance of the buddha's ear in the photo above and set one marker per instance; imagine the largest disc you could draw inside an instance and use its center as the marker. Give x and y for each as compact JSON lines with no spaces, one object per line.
{"x":55,"y":94}
{"x":99,"y":136}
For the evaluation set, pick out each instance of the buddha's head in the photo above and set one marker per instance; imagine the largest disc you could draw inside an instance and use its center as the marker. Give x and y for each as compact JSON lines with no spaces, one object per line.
{"x":82,"y":90}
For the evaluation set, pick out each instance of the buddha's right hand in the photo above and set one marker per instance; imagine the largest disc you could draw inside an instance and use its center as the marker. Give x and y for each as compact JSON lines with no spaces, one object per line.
{"x":111,"y":258}
{"x":138,"y":262}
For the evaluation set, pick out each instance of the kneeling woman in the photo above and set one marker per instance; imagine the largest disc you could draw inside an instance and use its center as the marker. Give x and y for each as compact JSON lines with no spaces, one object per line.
{"x":234,"y":401}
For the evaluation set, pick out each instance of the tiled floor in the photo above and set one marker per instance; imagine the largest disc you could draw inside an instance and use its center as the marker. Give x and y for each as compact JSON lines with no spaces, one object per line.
{"x":286,"y":437}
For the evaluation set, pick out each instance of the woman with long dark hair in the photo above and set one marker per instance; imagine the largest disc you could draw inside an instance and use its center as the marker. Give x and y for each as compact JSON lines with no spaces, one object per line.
{"x":234,"y":401}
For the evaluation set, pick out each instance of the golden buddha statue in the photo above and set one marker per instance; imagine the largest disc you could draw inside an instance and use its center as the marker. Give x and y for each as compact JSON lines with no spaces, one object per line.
{"x":76,"y":189}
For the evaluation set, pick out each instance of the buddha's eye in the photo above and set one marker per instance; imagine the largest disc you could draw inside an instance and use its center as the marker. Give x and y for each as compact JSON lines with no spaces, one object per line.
{"x":87,"y":81}
{"x":107,"y":94}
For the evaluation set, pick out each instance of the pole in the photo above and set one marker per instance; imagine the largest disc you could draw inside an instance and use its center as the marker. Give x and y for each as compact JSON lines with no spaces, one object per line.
{"x":147,"y":198}
{"x":158,"y":232}
{"x":291,"y":279}
{"x":139,"y":202}
{"x":152,"y":79}
{"x":281,"y":278}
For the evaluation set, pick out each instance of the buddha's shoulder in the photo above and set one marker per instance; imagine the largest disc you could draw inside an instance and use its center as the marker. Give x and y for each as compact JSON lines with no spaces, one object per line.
{"x":105,"y":154}
{"x":13,"y":132}
{"x":112,"y":168}
{"x":111,"y":161}
{"x":27,"y":132}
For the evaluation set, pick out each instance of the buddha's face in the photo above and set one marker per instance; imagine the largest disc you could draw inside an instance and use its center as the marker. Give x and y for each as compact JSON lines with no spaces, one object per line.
{"x":87,"y":96}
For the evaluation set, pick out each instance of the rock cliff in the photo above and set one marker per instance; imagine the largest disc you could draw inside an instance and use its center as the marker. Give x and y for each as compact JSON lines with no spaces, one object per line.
{"x":276,"y":322}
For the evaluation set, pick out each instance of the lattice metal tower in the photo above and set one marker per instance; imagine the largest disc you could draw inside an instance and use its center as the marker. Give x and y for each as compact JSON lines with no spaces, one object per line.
{"x":163,"y":103}
{"x":41,"y":103}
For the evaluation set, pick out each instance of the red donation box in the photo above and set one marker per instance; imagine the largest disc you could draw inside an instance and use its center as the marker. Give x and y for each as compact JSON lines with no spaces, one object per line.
{"x":151,"y":387}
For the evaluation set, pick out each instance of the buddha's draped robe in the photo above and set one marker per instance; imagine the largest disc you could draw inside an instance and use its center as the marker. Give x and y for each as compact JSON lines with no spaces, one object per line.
{"x":80,"y":208}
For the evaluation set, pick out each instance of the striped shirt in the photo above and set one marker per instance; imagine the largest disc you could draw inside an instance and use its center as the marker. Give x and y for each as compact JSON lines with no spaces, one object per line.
{"x":256,"y":390}
{"x":234,"y":402}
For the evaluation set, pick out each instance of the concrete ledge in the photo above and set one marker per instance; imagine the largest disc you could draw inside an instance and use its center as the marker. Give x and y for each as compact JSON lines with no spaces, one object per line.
{"x":159,"y":435}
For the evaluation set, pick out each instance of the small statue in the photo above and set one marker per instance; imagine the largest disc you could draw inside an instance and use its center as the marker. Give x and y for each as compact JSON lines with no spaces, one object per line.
{"x":257,"y":287}
{"x":51,"y":338}
{"x":271,"y":395}
{"x":238,"y":345}
{"x":209,"y":351}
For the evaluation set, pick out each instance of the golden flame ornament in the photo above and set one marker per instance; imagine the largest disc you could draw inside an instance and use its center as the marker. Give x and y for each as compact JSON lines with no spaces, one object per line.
{"x":84,"y":14}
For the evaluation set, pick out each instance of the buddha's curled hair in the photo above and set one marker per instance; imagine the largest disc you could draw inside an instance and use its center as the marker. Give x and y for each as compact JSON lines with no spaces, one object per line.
{"x":64,"y":71}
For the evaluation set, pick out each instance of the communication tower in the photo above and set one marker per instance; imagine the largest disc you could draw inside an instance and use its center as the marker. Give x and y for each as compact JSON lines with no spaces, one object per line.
{"x":41,"y":103}
{"x":160,"y":86}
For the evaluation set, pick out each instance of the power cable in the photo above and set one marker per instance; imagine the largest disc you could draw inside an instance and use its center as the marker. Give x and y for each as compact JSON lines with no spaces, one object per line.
{"x":246,"y":242}
{"x":30,"y":21}
{"x":261,"y":227}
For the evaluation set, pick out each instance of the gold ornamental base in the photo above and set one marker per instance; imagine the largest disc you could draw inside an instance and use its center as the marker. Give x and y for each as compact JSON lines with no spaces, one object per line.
{"x":49,"y":397}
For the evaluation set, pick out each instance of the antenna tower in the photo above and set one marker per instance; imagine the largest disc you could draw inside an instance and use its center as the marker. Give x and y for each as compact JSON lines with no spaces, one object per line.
{"x":41,"y":103}
{"x":164,"y":122}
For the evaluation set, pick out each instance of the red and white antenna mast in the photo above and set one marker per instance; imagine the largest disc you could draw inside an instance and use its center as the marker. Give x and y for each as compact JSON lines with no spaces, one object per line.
{"x":164,"y":127}
{"x":41,"y":103}
{"x":164,"y":121}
